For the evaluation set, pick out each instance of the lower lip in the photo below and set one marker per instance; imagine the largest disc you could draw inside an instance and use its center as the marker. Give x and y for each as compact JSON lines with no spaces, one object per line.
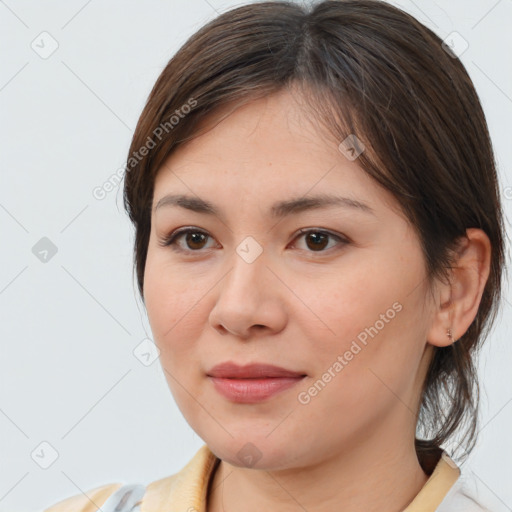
{"x":253,"y":390}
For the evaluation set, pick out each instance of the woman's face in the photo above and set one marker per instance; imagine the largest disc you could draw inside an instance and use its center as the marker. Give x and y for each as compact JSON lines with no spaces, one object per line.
{"x":345,"y":305}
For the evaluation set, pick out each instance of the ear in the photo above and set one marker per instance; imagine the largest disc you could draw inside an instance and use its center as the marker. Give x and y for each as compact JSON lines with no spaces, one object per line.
{"x":457,"y":302}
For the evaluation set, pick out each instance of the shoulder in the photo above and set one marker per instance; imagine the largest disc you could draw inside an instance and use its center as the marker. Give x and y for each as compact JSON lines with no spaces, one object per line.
{"x":468,"y":495}
{"x":116,"y":497}
{"x":89,"y":501}
{"x":122,"y":497}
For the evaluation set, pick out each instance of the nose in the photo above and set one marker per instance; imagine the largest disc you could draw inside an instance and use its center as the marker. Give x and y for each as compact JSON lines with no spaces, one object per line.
{"x":249,"y":301}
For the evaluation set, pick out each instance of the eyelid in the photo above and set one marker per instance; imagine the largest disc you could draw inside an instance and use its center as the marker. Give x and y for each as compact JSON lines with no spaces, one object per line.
{"x":323,"y":230}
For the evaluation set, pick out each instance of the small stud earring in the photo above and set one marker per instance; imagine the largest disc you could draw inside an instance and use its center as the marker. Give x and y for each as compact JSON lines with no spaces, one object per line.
{"x":449,"y":333}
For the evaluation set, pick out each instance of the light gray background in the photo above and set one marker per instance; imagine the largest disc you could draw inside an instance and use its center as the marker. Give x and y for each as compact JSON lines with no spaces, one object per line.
{"x":69,"y":326}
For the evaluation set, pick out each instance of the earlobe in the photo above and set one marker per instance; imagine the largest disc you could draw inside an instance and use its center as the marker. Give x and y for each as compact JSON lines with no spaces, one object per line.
{"x":443,"y":329}
{"x":459,"y":299}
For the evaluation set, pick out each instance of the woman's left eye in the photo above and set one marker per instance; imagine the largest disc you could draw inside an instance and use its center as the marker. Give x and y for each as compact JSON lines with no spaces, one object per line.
{"x":319,"y":237}
{"x":315,"y":238}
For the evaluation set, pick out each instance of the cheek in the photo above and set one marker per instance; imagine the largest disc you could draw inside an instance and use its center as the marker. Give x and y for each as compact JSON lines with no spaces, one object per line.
{"x":344,"y":306}
{"x":176,"y":315}
{"x":370,"y":318}
{"x":173,"y":305}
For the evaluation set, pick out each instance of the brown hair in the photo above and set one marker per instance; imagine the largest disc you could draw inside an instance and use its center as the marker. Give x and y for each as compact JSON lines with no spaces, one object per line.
{"x":365,"y":68}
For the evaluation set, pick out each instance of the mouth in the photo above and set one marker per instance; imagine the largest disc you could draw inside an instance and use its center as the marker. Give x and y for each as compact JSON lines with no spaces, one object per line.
{"x":252,"y":383}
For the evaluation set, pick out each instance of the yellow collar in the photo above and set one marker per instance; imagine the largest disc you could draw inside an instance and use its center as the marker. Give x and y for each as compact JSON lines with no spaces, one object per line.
{"x":441,"y":480}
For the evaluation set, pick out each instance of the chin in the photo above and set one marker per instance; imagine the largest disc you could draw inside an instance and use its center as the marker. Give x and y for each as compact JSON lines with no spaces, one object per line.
{"x":258,"y":452}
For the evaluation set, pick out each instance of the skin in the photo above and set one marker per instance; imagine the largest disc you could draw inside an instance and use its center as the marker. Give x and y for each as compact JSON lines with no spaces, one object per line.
{"x":351,"y":447}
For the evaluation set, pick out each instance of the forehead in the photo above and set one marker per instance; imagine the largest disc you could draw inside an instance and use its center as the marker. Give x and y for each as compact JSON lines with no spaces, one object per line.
{"x":267,"y":147}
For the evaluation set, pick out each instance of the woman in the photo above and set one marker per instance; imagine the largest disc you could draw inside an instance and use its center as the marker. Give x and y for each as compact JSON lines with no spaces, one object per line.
{"x":319,"y":247}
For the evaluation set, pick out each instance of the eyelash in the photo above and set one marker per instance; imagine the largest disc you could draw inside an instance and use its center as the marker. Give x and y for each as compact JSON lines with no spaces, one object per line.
{"x":170,"y":241}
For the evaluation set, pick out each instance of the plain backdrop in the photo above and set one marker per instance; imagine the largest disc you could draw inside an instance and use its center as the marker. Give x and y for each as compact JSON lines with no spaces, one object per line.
{"x":79,"y":406}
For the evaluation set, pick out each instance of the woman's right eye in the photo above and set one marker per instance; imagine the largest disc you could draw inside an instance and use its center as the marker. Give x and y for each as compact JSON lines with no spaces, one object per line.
{"x":194,"y":237}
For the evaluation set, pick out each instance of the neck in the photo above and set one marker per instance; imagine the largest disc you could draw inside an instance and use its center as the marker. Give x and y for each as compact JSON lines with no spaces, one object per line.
{"x":375,"y":477}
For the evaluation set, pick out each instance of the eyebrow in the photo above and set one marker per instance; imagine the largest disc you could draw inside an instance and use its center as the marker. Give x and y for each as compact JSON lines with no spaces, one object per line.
{"x":278,"y":210}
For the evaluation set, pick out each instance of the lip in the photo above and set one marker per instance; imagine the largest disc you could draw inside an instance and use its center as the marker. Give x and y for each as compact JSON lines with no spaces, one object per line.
{"x":250,"y":391}
{"x":253,"y":382}
{"x":230,"y":370}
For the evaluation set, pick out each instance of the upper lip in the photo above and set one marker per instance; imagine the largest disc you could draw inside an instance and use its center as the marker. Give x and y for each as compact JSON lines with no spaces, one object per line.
{"x":232,"y":370}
